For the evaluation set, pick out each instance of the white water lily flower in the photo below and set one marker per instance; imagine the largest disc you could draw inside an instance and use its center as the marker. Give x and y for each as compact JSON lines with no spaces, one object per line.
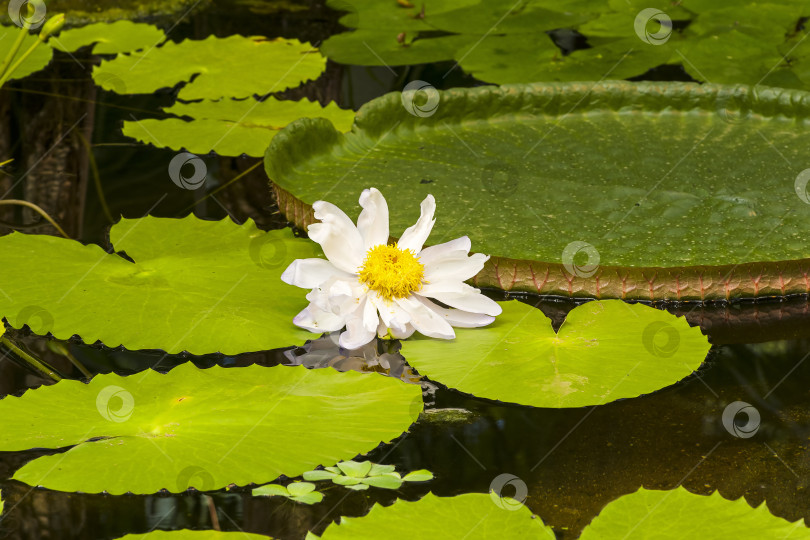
{"x":373,"y":288}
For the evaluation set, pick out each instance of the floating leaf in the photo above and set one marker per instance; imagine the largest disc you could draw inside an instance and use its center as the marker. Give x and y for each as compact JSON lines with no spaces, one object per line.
{"x":354,"y":469}
{"x":182,"y":534}
{"x":319,"y":475}
{"x":196,"y":286}
{"x":472,"y":516}
{"x":377,"y":469}
{"x":350,"y":48}
{"x":109,"y":38}
{"x":346,"y":481}
{"x":674,"y":193}
{"x":502,"y":42}
{"x":360,"y":475}
{"x":270,"y":490}
{"x":398,"y":35}
{"x":234,"y":66}
{"x":384,"y":481}
{"x":229,"y":127}
{"x":204,"y":429}
{"x":422,"y":475}
{"x":302,"y":492}
{"x":36,"y":61}
{"x":679,"y":514}
{"x":604,"y":351}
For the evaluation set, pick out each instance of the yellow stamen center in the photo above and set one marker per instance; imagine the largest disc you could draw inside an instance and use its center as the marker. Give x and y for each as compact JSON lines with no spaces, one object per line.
{"x":391,"y":271}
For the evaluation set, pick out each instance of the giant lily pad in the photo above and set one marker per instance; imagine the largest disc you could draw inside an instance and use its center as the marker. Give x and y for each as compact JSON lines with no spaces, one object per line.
{"x":204,"y":429}
{"x":234,"y":66}
{"x":604,"y":351}
{"x":230,"y":127}
{"x":470,"y":516}
{"x":501,"y":41}
{"x":679,"y":514}
{"x":196,"y":286}
{"x":609,"y":190}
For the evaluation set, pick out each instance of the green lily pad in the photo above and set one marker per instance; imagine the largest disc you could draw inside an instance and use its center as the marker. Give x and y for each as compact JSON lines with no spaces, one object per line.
{"x":679,"y":514}
{"x":204,"y":429}
{"x":665,"y":197}
{"x":194,"y":535}
{"x":500,"y":41}
{"x":229,"y":127}
{"x":224,"y":67}
{"x":36,"y":61}
{"x":303,"y":492}
{"x":109,"y":38}
{"x":196,"y":286}
{"x":392,"y":34}
{"x":604,"y":351}
{"x":471,"y":516}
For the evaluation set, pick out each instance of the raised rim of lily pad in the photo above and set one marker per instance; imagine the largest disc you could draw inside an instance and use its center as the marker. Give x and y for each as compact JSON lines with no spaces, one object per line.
{"x":647,"y":283}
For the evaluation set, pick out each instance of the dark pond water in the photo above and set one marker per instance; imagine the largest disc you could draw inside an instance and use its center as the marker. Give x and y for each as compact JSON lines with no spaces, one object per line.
{"x":573,"y":461}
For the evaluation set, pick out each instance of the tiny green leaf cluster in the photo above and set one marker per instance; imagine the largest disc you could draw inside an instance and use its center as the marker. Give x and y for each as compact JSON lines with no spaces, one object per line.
{"x":360,"y":475}
{"x":302,"y":492}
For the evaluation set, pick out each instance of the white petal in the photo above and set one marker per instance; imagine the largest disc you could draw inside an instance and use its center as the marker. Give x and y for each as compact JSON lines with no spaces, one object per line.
{"x":309,"y":273}
{"x":458,"y":318}
{"x":314,"y":319}
{"x":356,"y":334}
{"x":415,"y":236}
{"x":373,"y":220}
{"x":338,"y":237}
{"x":391,"y":314}
{"x":460,"y":267}
{"x":453,"y":248}
{"x":461,"y":296}
{"x":403,"y":334}
{"x":425,"y":320}
{"x":339,"y":296}
{"x":370,"y":318}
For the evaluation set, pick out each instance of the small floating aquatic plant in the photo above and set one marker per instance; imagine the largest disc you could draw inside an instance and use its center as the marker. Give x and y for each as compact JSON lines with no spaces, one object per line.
{"x":359,"y":475}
